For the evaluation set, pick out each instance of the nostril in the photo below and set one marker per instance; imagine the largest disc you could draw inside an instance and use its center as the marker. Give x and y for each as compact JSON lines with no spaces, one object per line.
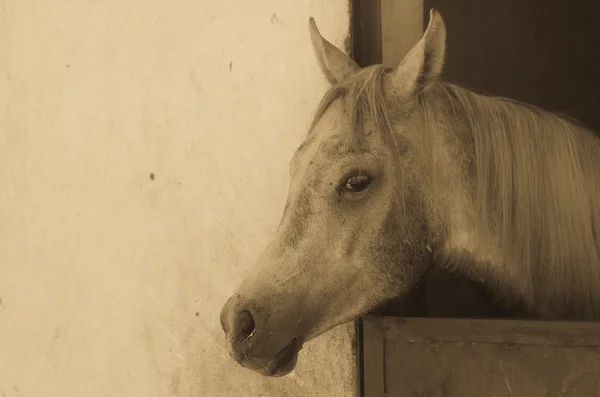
{"x":246,"y":325}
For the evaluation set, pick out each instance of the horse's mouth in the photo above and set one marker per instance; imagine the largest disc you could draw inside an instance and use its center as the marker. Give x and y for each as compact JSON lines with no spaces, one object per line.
{"x":284,"y":362}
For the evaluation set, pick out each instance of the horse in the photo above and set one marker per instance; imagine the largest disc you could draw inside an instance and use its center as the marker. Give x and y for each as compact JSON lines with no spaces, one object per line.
{"x":401,"y":172}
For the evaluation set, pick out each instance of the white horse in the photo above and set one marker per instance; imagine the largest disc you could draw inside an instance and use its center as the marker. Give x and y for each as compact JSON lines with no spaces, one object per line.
{"x":401,"y":172}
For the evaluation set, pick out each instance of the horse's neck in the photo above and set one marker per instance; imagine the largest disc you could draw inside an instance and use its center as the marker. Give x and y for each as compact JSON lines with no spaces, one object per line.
{"x":544,"y":250}
{"x":468,"y":250}
{"x":463,"y":245}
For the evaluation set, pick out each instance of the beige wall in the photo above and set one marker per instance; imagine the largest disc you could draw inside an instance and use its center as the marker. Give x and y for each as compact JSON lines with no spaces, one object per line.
{"x":111,"y":282}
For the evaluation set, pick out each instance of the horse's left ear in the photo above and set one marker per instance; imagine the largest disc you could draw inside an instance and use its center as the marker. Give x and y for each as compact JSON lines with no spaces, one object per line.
{"x":424,"y":62}
{"x":336,"y":65}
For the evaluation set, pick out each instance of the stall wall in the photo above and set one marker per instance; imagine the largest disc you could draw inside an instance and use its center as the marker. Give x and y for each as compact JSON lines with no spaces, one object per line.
{"x":143,"y":167}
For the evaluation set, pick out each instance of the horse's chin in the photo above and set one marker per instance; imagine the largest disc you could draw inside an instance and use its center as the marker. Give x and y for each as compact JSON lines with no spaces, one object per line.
{"x":284,"y":362}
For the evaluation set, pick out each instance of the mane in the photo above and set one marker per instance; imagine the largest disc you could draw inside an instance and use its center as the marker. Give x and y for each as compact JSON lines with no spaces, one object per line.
{"x":537,"y":191}
{"x":363,"y":98}
{"x":535,"y":176}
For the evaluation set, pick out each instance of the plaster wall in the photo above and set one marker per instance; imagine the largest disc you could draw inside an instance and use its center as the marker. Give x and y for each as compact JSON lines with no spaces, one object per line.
{"x":143,"y":167}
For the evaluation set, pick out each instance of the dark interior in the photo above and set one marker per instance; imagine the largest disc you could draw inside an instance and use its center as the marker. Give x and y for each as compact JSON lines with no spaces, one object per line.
{"x":544,"y":52}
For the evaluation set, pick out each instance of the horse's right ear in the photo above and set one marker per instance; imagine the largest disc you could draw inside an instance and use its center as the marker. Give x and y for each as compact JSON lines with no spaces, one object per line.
{"x":335,"y":64}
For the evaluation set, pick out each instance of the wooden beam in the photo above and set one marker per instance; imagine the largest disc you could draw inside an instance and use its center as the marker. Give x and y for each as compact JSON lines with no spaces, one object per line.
{"x":401,"y":28}
{"x":374,"y":354}
{"x":365,"y":34}
{"x":501,"y":331}
{"x":365,"y":21}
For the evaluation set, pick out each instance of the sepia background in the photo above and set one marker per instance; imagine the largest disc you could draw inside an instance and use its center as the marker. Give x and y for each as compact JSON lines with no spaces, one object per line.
{"x":143,"y":167}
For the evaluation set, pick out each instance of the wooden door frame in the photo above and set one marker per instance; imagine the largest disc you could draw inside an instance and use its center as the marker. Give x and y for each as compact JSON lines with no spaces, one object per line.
{"x":381,"y":41}
{"x":365,"y":34}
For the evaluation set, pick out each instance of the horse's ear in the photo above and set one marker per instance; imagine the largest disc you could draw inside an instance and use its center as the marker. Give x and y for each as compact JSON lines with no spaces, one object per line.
{"x":424,"y":62}
{"x":335,"y":64}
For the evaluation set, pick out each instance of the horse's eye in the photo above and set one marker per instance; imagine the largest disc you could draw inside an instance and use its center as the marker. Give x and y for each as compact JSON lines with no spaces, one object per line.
{"x":357,"y":183}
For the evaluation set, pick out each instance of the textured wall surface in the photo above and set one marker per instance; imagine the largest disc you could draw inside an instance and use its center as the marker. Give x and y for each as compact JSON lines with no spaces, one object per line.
{"x":143,"y":166}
